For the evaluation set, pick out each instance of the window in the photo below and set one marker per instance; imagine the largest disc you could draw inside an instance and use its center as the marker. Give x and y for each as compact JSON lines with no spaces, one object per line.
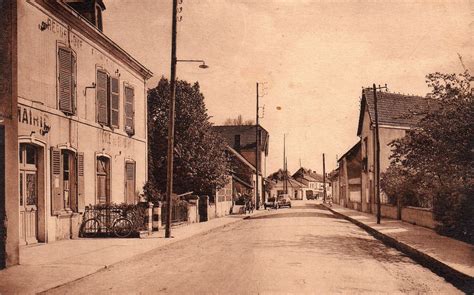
{"x":130,"y":183}
{"x":103,"y":180}
{"x":129,"y":110}
{"x":67,"y":181}
{"x":66,"y":80}
{"x":107,"y":99}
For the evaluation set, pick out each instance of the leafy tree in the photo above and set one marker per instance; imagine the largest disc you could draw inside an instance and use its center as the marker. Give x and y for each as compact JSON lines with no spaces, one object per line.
{"x":238,"y":121}
{"x":200,"y":163}
{"x":438,"y":155}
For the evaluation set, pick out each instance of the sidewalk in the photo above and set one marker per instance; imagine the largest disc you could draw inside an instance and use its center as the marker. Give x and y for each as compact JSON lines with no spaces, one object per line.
{"x":45,"y":266}
{"x":449,"y":258}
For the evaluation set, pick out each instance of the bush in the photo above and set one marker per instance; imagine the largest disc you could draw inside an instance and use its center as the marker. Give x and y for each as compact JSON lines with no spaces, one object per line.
{"x":455,"y":212}
{"x":397,"y":182}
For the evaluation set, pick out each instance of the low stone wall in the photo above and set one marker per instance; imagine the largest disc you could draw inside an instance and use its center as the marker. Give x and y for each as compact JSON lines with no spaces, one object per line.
{"x":211,"y":211}
{"x":354,"y":205}
{"x":223,"y":208}
{"x":388,"y":211}
{"x":67,"y":226}
{"x":193,"y":213}
{"x":419,"y":216}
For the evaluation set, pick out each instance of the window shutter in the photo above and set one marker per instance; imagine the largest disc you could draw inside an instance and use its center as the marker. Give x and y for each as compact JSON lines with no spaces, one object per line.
{"x":56,"y":181}
{"x":130,"y":182}
{"x":129,"y":111}
{"x":114,"y":102}
{"x":81,"y":202}
{"x":101,"y":99}
{"x":74,"y":84}
{"x":65,"y":81}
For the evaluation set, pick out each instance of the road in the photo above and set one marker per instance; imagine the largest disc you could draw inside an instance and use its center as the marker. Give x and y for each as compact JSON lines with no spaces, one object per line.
{"x":301,"y":250}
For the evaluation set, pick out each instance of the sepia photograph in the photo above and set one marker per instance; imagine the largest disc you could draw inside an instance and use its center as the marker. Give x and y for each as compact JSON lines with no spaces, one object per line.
{"x":236,"y":147}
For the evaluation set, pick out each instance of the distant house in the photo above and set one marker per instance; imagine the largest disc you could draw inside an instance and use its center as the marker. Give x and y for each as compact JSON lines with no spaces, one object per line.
{"x":285,"y":185}
{"x":313,"y":183}
{"x":242,"y":139}
{"x":397,"y":113}
{"x":349,"y":179}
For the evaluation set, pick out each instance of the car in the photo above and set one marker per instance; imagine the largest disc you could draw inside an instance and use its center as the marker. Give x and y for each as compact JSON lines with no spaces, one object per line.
{"x":284,"y":201}
{"x":270,"y":203}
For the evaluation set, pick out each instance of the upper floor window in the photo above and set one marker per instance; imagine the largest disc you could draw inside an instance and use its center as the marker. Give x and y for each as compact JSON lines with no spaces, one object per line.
{"x":66,"y":80}
{"x":129,"y":110}
{"x":107,"y":99}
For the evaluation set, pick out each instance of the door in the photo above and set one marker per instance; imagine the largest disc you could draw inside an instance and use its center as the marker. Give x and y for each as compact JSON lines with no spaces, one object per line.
{"x":28,"y":190}
{"x":3,"y":230}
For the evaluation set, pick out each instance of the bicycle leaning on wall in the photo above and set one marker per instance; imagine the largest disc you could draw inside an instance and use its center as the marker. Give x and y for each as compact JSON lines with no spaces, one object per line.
{"x":105,"y":221}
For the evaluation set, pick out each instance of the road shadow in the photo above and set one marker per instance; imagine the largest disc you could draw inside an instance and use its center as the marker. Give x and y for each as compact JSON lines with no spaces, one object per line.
{"x":293,"y":214}
{"x":343,"y":246}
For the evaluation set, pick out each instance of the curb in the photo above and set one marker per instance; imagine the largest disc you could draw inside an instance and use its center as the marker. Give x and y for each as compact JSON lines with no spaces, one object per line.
{"x":460,"y":280}
{"x":172,"y":241}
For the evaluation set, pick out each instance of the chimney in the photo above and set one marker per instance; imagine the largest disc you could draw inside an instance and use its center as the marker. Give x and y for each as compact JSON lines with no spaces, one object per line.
{"x":89,"y":9}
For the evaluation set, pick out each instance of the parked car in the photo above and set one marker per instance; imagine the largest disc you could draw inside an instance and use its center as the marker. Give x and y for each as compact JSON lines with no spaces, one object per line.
{"x":270,"y":203}
{"x":284,"y":201}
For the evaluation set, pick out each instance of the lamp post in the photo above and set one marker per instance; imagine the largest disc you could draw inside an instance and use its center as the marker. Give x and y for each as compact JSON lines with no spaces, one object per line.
{"x":171,"y":117}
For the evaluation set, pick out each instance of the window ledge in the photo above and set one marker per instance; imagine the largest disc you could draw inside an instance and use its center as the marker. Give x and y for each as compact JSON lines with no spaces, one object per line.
{"x":65,"y":213}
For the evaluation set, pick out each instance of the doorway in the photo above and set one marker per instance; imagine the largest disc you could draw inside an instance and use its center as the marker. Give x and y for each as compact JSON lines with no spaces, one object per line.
{"x":28,"y":191}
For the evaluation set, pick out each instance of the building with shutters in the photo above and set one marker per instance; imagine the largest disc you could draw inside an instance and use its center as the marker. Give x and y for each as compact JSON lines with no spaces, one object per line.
{"x":242,"y":138}
{"x":81,"y":116}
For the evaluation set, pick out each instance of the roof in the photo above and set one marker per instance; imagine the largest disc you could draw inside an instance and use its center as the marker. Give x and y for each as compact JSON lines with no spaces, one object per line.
{"x":394,"y":109}
{"x":293,"y":183}
{"x":242,"y":159}
{"x":308,"y":175}
{"x":77,"y":22}
{"x":352,"y":152}
{"x":247,"y":136}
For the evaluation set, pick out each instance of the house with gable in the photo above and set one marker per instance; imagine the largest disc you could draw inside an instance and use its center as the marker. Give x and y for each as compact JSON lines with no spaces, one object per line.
{"x":397,"y":113}
{"x":242,"y":139}
{"x":313,"y":183}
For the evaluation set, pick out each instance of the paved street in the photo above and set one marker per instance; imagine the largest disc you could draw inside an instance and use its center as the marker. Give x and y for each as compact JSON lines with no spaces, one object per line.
{"x":298,"y":250}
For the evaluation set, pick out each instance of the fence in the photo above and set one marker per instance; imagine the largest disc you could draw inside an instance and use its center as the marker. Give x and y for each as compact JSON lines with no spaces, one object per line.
{"x":104,"y":216}
{"x":179,"y":212}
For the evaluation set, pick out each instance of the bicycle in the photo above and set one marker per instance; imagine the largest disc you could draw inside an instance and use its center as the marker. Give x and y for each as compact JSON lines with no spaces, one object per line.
{"x":121,"y":226}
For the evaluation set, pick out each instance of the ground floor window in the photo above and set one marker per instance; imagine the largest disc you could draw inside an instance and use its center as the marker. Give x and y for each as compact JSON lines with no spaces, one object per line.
{"x":103,"y":180}
{"x":130,"y":195}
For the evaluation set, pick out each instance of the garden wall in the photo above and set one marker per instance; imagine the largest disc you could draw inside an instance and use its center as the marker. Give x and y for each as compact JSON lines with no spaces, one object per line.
{"x":418,"y":216}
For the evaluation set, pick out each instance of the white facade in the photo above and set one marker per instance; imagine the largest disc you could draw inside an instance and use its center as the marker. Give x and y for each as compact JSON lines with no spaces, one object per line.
{"x":78,"y":161}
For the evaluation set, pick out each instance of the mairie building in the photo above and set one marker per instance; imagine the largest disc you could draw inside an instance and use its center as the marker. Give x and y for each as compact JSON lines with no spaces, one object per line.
{"x":77,"y":104}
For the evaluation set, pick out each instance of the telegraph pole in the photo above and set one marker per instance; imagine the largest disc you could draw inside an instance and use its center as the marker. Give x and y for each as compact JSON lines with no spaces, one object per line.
{"x":377,"y":153}
{"x":324,"y":180}
{"x":169,"y":171}
{"x":257,"y":152}
{"x":284,"y":164}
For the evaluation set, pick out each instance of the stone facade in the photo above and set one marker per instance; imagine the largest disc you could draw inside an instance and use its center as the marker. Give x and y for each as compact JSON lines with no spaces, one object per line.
{"x":81,"y":117}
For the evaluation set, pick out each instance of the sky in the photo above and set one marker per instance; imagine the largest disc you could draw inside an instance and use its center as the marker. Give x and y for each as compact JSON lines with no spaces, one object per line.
{"x":313,"y":57}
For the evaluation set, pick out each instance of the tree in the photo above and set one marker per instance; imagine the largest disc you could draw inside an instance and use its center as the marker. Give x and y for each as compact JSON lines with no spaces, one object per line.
{"x":238,"y":121}
{"x":439,"y":154}
{"x":200,"y":163}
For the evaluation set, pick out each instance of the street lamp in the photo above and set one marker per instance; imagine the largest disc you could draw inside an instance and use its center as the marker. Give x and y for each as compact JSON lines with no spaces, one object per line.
{"x":202,"y":65}
{"x":169,"y":170}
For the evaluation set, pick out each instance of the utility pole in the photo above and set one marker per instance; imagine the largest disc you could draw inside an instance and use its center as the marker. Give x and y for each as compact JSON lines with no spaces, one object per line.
{"x":377,"y":152}
{"x":257,"y":152}
{"x":284,"y":164}
{"x":324,"y":180}
{"x":169,"y":170}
